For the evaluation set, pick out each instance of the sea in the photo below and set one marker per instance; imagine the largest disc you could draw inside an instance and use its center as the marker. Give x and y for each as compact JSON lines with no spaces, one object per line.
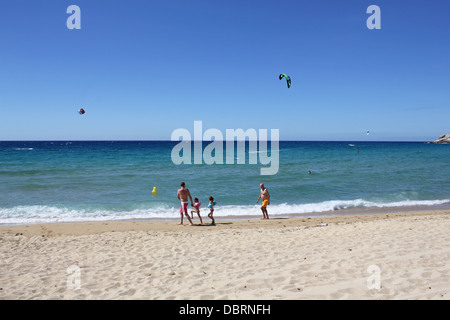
{"x":68,"y":181}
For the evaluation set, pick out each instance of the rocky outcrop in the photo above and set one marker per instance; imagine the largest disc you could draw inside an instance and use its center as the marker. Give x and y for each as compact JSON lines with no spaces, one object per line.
{"x":445,"y":138}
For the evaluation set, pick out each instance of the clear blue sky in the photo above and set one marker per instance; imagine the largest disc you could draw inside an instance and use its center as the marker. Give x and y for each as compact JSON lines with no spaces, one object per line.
{"x":142,"y":69}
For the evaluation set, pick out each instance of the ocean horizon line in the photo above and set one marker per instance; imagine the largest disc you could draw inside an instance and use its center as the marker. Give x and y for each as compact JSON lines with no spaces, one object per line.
{"x":177,"y":141}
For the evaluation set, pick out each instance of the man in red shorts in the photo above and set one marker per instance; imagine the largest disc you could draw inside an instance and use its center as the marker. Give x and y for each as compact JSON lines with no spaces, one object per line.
{"x":183,"y":194}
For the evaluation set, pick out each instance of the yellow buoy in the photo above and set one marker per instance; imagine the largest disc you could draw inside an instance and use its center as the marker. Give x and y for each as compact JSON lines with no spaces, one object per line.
{"x":154,"y":190}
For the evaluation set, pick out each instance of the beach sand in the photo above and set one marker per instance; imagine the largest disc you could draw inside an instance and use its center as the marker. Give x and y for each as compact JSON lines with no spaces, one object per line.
{"x":378,"y":256}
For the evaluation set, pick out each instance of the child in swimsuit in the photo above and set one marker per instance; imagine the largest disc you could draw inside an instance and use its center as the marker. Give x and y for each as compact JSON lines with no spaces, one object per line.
{"x":211,"y":205}
{"x":197,"y":209}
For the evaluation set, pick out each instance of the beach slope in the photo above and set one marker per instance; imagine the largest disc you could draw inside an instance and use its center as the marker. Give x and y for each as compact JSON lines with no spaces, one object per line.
{"x":381,"y":256}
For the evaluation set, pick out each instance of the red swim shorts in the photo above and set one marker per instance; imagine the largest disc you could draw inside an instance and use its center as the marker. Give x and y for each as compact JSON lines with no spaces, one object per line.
{"x":184,"y":206}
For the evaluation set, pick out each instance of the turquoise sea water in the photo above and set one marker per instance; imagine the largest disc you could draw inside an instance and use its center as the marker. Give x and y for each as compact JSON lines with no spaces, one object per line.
{"x":49,"y":181}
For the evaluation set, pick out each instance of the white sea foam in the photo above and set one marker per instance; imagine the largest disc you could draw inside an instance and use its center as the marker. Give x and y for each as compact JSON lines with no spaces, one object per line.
{"x":50,"y":214}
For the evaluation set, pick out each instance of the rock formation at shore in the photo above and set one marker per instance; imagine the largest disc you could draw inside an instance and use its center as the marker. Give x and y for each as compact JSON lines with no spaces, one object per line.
{"x":445,"y":138}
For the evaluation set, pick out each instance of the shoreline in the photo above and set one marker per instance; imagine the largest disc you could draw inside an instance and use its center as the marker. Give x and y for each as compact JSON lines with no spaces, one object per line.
{"x":77,"y":228}
{"x":256,"y":214}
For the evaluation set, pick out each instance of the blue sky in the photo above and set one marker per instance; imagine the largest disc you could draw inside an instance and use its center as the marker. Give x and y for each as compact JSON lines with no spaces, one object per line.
{"x":142,"y":69}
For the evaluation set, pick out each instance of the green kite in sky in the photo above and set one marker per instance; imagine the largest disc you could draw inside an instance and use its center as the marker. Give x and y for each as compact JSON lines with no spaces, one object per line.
{"x":288,"y":79}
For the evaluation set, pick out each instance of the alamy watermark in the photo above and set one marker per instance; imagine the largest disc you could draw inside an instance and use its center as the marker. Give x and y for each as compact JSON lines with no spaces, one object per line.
{"x":73,"y":281}
{"x":213,"y":152}
{"x":374,"y":21}
{"x":374,"y":280}
{"x":74,"y":20}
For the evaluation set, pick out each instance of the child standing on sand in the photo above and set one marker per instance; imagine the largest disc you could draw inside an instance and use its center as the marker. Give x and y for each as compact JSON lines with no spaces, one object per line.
{"x":211,"y":205}
{"x":197,"y":209}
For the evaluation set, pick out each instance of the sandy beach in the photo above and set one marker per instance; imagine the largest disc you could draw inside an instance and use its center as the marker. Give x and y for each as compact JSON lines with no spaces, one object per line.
{"x":378,"y":256}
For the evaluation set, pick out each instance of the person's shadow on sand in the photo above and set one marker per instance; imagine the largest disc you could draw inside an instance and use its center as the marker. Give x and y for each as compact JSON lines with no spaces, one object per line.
{"x":210,"y":225}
